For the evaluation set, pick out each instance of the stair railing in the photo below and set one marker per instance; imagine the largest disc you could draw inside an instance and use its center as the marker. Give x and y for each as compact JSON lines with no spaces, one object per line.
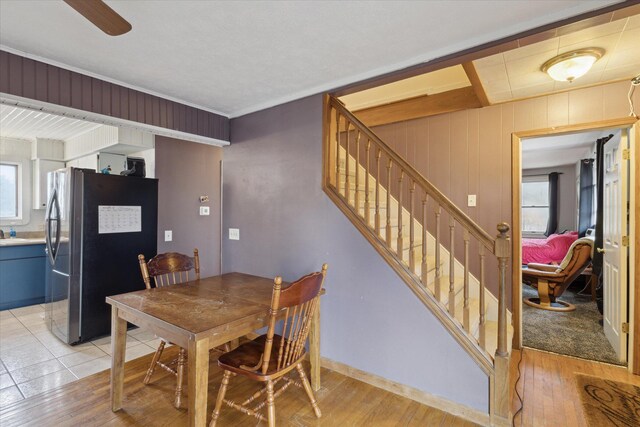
{"x":346,"y":138}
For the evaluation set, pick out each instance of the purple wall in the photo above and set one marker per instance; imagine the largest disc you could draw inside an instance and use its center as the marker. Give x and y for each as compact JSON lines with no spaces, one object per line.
{"x":289,"y":227}
{"x":186,"y":171}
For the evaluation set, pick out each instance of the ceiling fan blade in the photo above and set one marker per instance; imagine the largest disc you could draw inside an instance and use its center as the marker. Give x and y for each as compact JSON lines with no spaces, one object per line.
{"x":101,"y":15}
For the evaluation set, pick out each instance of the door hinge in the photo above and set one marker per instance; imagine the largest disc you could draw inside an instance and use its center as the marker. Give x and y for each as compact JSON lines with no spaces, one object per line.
{"x":625,"y":240}
{"x":625,"y":327}
{"x":626,"y":155}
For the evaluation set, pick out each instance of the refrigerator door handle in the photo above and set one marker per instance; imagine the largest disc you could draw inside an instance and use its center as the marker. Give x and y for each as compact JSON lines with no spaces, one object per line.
{"x":52,"y":247}
{"x":47,"y":234}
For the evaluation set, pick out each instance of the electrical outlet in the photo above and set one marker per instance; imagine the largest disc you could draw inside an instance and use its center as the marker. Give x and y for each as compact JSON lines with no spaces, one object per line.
{"x":204,"y":210}
{"x":471,"y":200}
{"x":168,"y":235}
{"x":234,"y":234}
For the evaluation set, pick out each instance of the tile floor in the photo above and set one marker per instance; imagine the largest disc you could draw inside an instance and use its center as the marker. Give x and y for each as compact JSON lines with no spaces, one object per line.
{"x":33,"y":360}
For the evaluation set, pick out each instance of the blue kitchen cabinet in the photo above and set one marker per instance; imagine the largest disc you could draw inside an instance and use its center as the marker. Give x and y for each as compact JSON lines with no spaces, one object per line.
{"x":22,"y":275}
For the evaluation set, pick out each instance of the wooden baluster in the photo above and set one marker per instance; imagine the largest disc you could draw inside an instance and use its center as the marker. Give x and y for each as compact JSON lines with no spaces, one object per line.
{"x":452,"y":265}
{"x":437,"y":284}
{"x":357,"y":168}
{"x":376,"y":217}
{"x":399,"y":249}
{"x":482,"y":337}
{"x":337,"y":151}
{"x":388,"y":226}
{"x":367,"y":213}
{"x":347,"y":178}
{"x":501,"y":401}
{"x":466,"y":320}
{"x":425,"y":232}
{"x":412,"y":258}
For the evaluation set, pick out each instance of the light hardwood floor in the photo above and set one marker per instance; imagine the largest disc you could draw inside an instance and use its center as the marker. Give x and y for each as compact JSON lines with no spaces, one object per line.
{"x":548,"y":386}
{"x":344,"y":402}
{"x":547,"y":383}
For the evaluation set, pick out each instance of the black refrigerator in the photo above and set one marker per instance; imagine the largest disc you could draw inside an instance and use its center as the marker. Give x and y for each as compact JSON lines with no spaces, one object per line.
{"x":95,"y":227}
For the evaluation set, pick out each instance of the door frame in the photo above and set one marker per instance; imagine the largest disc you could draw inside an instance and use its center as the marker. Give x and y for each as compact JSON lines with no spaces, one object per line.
{"x":634,"y":226}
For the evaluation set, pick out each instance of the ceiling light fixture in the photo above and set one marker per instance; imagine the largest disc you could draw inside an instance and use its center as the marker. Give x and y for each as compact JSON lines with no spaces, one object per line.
{"x":569,"y":66}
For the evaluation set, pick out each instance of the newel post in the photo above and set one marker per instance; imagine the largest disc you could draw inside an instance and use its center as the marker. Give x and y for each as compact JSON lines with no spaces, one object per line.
{"x":501,"y":360}
{"x":502,"y":250}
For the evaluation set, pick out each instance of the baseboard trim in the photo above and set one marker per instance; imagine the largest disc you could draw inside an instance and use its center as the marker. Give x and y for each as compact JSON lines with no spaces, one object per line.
{"x":409,"y":392}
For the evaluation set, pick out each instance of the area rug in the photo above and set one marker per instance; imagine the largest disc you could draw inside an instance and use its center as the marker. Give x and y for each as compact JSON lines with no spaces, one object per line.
{"x":575,"y":333}
{"x":609,"y":403}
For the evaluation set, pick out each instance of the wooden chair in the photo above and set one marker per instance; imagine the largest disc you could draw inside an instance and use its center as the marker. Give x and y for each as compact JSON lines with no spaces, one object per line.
{"x":552,"y":280}
{"x":269,"y":357}
{"x":169,"y":269}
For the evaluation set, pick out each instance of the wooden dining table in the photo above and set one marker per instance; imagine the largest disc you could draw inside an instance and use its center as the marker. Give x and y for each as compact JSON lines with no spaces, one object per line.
{"x":198,"y":315}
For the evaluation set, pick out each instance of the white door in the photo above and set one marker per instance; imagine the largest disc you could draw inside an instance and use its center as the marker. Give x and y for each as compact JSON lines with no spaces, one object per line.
{"x":616,"y":174}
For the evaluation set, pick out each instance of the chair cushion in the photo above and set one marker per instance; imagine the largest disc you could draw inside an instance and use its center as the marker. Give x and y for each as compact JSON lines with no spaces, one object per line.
{"x":581,"y":241}
{"x":249,"y":353}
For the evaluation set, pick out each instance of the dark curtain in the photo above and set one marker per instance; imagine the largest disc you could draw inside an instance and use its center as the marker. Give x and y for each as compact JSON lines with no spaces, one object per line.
{"x":552,"y":223}
{"x":585,"y":210}
{"x":598,"y":256}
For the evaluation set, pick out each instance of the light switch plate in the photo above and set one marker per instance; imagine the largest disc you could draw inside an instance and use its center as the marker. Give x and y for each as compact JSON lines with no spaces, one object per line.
{"x":204,"y":210}
{"x":234,"y":234}
{"x":168,"y":235}
{"x":471,"y":200}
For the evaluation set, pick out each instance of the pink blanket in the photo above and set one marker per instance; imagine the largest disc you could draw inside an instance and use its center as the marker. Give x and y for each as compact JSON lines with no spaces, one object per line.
{"x":549,"y":250}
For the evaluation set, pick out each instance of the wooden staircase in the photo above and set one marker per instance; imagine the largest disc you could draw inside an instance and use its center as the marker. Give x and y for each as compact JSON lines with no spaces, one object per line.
{"x":390,"y":203}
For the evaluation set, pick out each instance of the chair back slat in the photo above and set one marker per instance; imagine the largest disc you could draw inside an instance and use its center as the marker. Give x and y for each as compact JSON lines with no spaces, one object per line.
{"x":299,"y":302}
{"x":282,"y":346}
{"x":170,"y":268}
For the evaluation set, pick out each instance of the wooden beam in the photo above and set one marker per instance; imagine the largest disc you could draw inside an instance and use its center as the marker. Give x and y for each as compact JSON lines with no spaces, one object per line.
{"x":476,"y":83}
{"x":420,"y":106}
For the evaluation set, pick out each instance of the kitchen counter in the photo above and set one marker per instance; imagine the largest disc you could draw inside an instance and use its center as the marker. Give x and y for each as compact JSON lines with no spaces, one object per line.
{"x":17,"y":241}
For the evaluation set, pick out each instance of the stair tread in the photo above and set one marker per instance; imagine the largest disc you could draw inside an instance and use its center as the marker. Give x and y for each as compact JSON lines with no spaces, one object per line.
{"x":474,"y":313}
{"x":458,"y":283}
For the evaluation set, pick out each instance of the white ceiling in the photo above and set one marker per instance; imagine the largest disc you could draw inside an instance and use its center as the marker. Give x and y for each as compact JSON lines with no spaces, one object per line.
{"x":516,"y":74}
{"x":18,"y":123}
{"x":558,"y":150}
{"x":238,"y":57}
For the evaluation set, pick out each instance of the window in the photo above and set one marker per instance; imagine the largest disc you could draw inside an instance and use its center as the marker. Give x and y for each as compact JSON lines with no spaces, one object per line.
{"x":9,"y":191}
{"x":535,"y":204}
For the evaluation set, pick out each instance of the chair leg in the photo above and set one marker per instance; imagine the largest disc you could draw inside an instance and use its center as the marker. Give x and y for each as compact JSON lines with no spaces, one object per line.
{"x":271,"y":407}
{"x":543,"y":293}
{"x":547,"y":300}
{"x":307,"y":388}
{"x":220,"y":398}
{"x":154,"y":361}
{"x":180,"y":377}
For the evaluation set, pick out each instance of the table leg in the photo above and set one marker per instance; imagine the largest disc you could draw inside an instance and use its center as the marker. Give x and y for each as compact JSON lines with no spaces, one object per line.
{"x":198,"y":378}
{"x":118,"y":347}
{"x":314,"y":349}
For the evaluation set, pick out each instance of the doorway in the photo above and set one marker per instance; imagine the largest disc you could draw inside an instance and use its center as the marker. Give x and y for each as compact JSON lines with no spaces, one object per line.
{"x":583,"y":330}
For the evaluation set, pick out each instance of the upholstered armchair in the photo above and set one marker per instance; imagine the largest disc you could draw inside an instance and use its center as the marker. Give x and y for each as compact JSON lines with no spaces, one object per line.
{"x":552,"y":280}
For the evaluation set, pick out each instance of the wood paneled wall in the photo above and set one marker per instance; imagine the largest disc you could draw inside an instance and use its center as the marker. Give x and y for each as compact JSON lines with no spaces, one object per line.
{"x":469,"y":152}
{"x":32,"y":79}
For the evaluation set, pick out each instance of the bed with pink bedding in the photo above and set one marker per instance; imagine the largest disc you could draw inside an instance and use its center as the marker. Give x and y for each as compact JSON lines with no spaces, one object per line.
{"x":549,"y":250}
